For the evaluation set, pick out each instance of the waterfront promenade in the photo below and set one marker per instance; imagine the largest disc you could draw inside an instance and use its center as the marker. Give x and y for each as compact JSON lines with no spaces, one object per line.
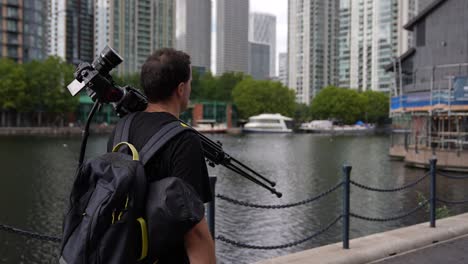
{"x":452,"y":251}
{"x":415,"y":244}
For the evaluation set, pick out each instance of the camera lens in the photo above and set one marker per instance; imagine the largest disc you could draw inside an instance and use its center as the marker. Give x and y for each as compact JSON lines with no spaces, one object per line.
{"x":107,"y":60}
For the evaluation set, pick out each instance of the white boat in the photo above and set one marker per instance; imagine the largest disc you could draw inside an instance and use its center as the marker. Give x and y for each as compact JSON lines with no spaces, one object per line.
{"x":210,"y":126}
{"x":328,"y":127}
{"x":269,"y":123}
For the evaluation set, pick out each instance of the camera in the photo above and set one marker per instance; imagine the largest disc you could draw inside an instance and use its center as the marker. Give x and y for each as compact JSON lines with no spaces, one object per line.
{"x":99,"y":85}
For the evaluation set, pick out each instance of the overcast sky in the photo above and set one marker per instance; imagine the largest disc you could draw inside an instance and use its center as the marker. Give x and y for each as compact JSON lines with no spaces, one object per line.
{"x":279,"y":8}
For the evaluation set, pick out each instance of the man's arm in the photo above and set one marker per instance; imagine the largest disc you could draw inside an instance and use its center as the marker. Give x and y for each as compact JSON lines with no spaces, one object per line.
{"x":200,"y":245}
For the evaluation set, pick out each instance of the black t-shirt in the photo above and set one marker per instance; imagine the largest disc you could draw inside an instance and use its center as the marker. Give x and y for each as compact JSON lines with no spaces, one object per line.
{"x":181,"y":157}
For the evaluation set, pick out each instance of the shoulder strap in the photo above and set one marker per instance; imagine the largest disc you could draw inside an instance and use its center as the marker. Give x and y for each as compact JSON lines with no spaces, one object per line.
{"x":158,"y":140}
{"x":122,"y":128}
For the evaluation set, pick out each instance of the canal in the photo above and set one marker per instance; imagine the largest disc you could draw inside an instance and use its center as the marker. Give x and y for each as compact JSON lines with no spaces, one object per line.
{"x":37,"y":173}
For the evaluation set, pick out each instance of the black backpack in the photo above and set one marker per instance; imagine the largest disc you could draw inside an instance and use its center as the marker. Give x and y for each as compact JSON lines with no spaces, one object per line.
{"x":105,"y":222}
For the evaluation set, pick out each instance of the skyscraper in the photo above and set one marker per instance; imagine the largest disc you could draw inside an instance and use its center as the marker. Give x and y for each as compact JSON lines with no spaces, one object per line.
{"x":259,"y":60}
{"x":164,"y":24}
{"x":193,"y":31}
{"x":71,"y":29}
{"x":56,"y":35}
{"x":135,"y":28}
{"x":312,"y":46}
{"x":22,"y":29}
{"x":368,"y":41}
{"x":232,"y":29}
{"x":262,"y":30}
{"x":102,"y":25}
{"x":283,"y":68}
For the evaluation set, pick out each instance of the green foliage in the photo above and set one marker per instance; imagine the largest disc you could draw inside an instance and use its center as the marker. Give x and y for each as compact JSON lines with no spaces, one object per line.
{"x":301,"y":113}
{"x":255,"y":97}
{"x":349,"y":105}
{"x":204,"y":86}
{"x":342,"y":104}
{"x":13,"y":90}
{"x":37,"y":85}
{"x":209,"y":87}
{"x":376,"y":107}
{"x":441,"y":212}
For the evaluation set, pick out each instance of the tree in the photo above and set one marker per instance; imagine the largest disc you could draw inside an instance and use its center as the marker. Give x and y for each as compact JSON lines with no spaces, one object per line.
{"x":13,"y":94}
{"x":254,"y":97}
{"x":302,"y":113}
{"x":345,"y":105}
{"x":377,"y":105}
{"x":226,"y":84}
{"x":53,"y":77}
{"x":216,"y":88}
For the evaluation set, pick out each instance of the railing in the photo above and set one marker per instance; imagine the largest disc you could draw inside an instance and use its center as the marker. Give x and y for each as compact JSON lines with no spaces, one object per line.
{"x":345,"y":184}
{"x":347,"y":213}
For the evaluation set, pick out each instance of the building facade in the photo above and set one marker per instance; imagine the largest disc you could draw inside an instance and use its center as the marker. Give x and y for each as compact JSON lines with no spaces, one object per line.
{"x":262,"y":29}
{"x":259,"y":60}
{"x":56,"y":30}
{"x":312,"y":46}
{"x":102,"y":25}
{"x":429,"y":103}
{"x":407,"y":10}
{"x":23,"y":30}
{"x":71,"y":30}
{"x":134,"y":29}
{"x":368,"y":40}
{"x":232,"y":33}
{"x":193,"y":31}
{"x":283,"y":68}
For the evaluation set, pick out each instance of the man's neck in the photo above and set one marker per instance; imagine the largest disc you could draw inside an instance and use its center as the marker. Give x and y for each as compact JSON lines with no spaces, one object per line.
{"x":163,"y":107}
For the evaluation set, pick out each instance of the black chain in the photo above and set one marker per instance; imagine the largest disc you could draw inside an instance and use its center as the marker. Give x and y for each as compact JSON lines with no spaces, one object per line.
{"x":295,"y":243}
{"x":453,"y":177}
{"x":390,"y":190}
{"x":451,"y":202}
{"x":279,"y":206}
{"x":29,"y":234}
{"x":372,"y":219}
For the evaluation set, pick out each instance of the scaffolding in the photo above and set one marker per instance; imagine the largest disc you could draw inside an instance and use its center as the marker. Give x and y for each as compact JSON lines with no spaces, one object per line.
{"x":429,"y":107}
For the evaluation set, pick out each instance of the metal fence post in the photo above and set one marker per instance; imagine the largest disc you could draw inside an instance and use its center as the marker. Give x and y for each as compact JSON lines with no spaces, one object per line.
{"x":433,"y":199}
{"x":211,"y":207}
{"x":346,"y":202}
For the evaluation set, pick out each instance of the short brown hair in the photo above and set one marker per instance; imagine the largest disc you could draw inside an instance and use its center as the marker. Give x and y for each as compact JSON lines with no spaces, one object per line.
{"x":162,"y":72}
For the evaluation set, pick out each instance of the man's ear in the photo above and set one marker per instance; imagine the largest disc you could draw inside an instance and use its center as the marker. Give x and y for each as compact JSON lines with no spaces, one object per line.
{"x":180,"y":89}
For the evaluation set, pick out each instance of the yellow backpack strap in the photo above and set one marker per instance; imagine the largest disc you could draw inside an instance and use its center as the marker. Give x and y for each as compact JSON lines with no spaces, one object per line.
{"x":144,"y":238}
{"x":135,"y":154}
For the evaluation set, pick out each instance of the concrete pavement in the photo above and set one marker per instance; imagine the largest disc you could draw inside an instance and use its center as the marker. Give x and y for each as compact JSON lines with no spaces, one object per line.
{"x":454,"y":251}
{"x":395,"y":242}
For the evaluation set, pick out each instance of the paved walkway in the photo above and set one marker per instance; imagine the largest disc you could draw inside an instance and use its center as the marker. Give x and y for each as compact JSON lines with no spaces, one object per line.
{"x":413,"y":244}
{"x":451,"y":252}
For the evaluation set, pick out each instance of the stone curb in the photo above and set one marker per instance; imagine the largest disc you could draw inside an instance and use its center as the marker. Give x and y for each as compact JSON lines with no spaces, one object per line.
{"x":378,"y":246}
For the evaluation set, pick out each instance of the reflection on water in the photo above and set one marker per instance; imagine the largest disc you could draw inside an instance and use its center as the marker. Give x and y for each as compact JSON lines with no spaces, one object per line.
{"x":37,"y":174}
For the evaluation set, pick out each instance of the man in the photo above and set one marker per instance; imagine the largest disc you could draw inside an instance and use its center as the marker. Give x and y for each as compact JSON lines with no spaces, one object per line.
{"x":166,"y":81}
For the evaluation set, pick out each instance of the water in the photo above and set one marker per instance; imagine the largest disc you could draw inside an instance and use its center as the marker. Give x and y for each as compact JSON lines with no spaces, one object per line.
{"x":37,"y":173}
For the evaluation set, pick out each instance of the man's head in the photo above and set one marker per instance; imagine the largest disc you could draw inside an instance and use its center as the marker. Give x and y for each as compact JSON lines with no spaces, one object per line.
{"x":166,"y":75}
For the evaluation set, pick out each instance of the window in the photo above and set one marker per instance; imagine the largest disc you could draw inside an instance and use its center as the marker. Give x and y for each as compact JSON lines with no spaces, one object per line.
{"x":12,"y":12}
{"x":12,"y":38}
{"x":12,"y":25}
{"x":12,"y":52}
{"x":421,"y":34}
